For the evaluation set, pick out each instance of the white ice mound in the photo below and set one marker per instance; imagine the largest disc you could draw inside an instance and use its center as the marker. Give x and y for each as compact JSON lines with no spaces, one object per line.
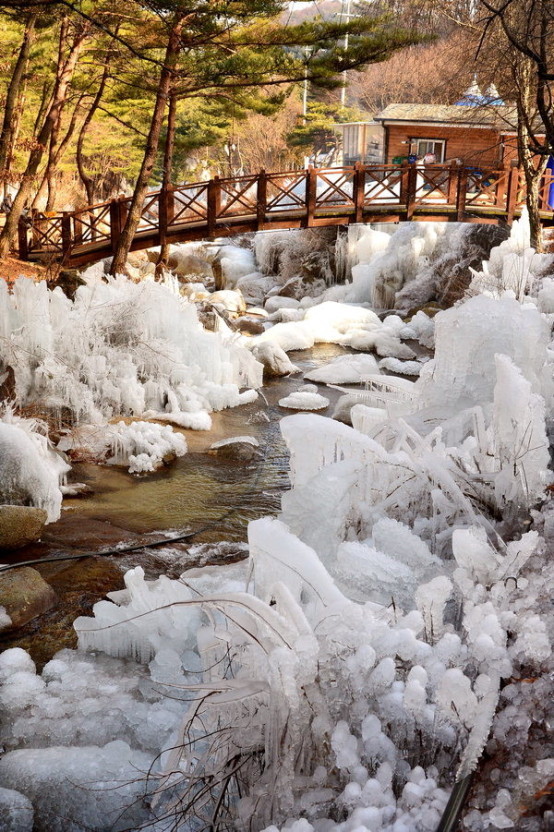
{"x":304,"y":400}
{"x":406,"y":368}
{"x":346,"y":369}
{"x":30,"y":472}
{"x":463,"y":372}
{"x":140,"y":446}
{"x":119,"y":348}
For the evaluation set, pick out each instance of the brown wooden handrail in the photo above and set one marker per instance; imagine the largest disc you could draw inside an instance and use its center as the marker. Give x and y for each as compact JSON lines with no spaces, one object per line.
{"x":283,"y":199}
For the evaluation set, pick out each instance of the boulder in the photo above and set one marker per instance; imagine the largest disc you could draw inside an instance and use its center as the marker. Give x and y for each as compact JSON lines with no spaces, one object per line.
{"x":24,"y":594}
{"x":241,"y":448}
{"x":20,"y":525}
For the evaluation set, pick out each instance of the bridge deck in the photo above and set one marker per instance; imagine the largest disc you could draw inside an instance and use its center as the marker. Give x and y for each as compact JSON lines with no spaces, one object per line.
{"x":291,"y":199}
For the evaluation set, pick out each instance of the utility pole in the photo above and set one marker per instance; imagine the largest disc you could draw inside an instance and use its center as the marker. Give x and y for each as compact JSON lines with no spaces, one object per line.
{"x":344,"y":16}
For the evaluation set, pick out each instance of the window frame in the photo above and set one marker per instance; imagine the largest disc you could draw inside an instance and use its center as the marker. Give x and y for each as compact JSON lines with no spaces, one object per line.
{"x":414,"y":142}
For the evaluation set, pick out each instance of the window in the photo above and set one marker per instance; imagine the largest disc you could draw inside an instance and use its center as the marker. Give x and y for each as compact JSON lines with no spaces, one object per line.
{"x":423,"y":146}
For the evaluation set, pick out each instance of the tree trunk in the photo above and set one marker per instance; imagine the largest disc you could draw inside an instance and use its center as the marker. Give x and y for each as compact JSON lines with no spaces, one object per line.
{"x":167,"y":176}
{"x":63,"y":80}
{"x":88,"y":181}
{"x":13,"y":94}
{"x":141,"y":188}
{"x":532,"y":169}
{"x":48,"y":182}
{"x":49,"y":174}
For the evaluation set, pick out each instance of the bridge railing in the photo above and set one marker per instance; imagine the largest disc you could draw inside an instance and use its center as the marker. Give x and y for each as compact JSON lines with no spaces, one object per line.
{"x":303,"y":197}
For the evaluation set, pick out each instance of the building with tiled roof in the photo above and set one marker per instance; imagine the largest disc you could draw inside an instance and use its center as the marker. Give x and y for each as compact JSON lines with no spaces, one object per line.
{"x":479,"y":130}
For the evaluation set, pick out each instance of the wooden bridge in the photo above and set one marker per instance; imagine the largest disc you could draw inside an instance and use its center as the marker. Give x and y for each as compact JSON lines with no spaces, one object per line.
{"x":290,"y":199}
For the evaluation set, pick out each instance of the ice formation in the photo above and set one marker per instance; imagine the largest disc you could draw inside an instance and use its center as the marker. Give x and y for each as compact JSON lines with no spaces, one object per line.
{"x":31,"y":472}
{"x":118,"y":349}
{"x":139,"y":446}
{"x":388,"y":625}
{"x":306,"y":398}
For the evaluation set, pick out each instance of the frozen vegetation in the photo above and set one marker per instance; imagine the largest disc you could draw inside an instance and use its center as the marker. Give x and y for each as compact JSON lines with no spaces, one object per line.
{"x":389,"y":625}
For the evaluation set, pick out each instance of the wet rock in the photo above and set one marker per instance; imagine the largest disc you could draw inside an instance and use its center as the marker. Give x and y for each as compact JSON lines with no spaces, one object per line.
{"x":24,"y":594}
{"x":293,"y":288}
{"x":241,"y":448}
{"x":20,"y":525}
{"x":249,"y":325}
{"x":69,"y":281}
{"x":16,"y":811}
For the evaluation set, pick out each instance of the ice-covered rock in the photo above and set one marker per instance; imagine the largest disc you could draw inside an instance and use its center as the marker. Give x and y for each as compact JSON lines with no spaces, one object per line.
{"x":273,"y":358}
{"x":346,"y":369}
{"x":30,"y":471}
{"x":304,"y":400}
{"x":236,"y":447}
{"x":119,"y":349}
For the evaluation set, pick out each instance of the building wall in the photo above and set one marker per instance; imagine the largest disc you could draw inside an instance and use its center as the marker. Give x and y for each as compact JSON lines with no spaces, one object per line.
{"x":472,"y":146}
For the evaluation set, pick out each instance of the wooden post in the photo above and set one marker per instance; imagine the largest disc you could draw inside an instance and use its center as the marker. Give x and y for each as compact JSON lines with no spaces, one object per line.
{"x":453,"y":182}
{"x":261,"y":200}
{"x":462,"y":194}
{"x":511,"y":198}
{"x":214,"y":205}
{"x":311,"y":194}
{"x":411,"y":191}
{"x":66,"y":232}
{"x":23,"y":240}
{"x":358,"y":185}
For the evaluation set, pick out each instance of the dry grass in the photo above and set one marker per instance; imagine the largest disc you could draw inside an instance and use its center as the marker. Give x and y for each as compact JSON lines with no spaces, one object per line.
{"x":11,"y":268}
